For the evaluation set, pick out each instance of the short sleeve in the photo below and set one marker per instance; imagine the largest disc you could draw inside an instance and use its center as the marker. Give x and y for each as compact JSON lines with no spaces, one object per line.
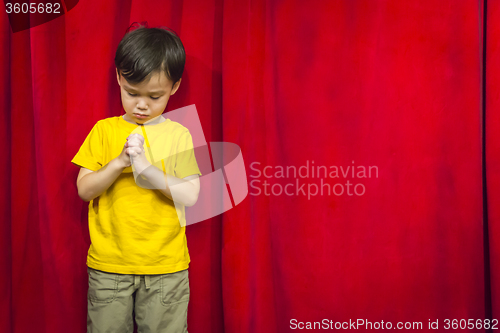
{"x":90,"y":154}
{"x":185,"y":162}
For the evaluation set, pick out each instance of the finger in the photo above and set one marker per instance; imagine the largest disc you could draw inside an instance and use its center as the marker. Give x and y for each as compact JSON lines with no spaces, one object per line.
{"x":135,"y":144}
{"x":131,"y":152}
{"x":136,"y":135}
{"x":134,"y":140}
{"x":132,"y":136}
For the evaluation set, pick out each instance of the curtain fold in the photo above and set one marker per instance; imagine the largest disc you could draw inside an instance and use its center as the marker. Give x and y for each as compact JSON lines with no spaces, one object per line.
{"x":389,"y":84}
{"x":492,"y":130}
{"x":360,"y":128}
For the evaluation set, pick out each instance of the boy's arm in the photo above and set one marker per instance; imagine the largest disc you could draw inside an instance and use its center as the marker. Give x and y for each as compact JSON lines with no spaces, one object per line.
{"x":92,"y":184}
{"x":182,"y":190}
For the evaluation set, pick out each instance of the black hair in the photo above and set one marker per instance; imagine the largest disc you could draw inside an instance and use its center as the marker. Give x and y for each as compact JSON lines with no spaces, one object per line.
{"x":144,"y":51}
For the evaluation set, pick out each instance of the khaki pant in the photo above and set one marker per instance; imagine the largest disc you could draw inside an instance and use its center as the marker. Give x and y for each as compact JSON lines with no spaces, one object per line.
{"x":160,"y":302}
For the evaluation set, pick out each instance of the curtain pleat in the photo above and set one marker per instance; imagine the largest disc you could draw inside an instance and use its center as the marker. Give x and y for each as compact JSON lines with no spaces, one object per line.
{"x":359,"y":124}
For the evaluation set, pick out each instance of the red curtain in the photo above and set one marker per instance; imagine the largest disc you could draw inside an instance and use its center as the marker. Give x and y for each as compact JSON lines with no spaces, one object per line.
{"x":394,"y":87}
{"x":492,"y":147}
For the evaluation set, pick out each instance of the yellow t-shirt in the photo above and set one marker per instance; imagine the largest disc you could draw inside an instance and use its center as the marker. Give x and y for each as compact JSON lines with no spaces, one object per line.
{"x":136,"y":230}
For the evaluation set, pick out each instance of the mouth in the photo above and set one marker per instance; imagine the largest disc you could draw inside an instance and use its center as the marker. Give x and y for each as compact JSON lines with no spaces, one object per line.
{"x":140,"y":115}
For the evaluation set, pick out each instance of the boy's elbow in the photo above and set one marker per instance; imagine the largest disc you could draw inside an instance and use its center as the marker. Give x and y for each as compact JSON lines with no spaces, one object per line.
{"x":192,"y":200}
{"x":83,"y":195}
{"x":190,"y":203}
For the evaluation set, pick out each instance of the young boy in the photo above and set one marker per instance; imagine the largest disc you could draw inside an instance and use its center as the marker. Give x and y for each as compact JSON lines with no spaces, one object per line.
{"x":138,"y":260}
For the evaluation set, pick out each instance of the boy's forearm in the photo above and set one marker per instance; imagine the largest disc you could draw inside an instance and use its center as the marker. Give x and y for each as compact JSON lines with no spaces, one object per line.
{"x":94,"y":184}
{"x":172,"y":187}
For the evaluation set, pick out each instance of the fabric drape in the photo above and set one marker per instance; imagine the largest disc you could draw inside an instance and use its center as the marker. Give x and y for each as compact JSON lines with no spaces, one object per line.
{"x":390,"y":87}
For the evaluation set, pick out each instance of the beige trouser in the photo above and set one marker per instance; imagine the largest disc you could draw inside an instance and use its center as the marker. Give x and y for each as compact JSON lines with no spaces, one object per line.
{"x":160,"y":302}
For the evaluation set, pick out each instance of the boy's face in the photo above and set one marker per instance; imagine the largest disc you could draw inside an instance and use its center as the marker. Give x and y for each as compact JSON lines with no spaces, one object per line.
{"x":148,"y":98}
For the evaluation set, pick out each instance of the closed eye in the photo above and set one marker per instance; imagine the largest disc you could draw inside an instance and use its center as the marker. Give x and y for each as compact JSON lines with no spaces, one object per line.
{"x":133,"y":95}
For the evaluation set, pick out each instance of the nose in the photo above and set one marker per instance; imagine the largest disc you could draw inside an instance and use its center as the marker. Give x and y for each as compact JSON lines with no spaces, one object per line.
{"x":141,"y":104}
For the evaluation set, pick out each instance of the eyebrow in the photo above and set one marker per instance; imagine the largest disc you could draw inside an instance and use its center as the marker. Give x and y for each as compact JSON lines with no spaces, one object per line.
{"x":151,"y":92}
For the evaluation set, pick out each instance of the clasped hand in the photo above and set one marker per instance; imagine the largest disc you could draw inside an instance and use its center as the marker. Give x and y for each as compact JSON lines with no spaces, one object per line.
{"x":134,"y":147}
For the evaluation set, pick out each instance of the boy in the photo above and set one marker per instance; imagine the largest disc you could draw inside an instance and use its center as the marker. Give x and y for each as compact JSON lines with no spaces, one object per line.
{"x":138,"y":260}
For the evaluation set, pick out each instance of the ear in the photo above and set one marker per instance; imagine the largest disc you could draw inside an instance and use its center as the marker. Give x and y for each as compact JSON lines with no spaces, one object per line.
{"x":175,"y":87}
{"x":118,"y":77}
